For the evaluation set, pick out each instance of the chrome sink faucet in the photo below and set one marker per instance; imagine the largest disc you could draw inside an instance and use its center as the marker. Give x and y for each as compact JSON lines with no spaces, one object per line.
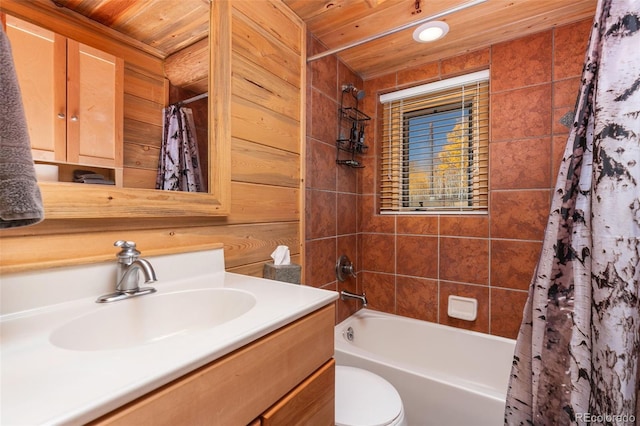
{"x":127,"y":277}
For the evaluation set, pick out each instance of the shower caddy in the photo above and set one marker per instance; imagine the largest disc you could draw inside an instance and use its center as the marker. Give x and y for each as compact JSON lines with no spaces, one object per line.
{"x":351,"y":129}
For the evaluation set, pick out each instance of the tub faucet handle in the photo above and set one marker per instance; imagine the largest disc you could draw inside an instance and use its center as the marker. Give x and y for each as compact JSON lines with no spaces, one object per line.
{"x":344,"y":268}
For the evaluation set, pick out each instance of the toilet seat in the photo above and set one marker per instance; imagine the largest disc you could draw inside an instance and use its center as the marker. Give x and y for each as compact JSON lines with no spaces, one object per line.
{"x":366,"y":399}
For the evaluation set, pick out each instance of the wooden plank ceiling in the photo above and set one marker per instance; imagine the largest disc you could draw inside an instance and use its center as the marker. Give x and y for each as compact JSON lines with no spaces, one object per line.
{"x":340,"y":22}
{"x":170,"y":25}
{"x":166,"y":25}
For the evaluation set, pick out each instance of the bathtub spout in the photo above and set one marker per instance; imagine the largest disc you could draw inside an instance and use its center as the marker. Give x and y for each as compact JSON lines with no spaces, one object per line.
{"x":344,"y":295}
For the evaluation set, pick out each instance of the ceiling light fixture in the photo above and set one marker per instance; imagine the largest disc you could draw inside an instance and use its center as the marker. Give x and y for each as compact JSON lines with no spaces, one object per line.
{"x":429,"y":18}
{"x":430,"y":31}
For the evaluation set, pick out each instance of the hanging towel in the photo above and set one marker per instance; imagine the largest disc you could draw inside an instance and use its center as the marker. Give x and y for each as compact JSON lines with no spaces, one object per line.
{"x":20,"y":198}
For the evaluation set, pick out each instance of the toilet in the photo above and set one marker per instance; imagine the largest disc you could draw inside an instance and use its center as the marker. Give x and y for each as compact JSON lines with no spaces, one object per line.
{"x":366,"y":399}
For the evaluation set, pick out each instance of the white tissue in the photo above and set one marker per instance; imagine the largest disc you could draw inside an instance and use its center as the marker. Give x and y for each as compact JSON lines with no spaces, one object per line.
{"x":281,"y":256}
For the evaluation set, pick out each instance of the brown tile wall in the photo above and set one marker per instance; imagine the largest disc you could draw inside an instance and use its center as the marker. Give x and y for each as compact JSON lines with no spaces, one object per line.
{"x":409,"y":265}
{"x":331,"y":190}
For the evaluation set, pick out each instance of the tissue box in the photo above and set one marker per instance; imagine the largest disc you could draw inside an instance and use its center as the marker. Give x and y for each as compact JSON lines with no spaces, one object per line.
{"x":287,"y":273}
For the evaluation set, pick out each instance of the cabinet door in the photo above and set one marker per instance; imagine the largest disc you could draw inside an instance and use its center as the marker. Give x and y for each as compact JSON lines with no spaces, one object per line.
{"x":239,"y":386}
{"x":312,"y":403}
{"x":94,"y":106}
{"x":39,"y":56}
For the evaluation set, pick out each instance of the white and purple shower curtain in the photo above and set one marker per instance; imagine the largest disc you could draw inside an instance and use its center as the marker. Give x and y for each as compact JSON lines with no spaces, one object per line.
{"x":179,"y":165}
{"x":578,"y":349}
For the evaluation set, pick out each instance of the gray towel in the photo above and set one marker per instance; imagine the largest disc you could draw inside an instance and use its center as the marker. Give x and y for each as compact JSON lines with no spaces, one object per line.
{"x":20,"y":198}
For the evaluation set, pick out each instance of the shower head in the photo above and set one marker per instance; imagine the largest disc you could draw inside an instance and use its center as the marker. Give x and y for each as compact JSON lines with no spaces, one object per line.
{"x":358,"y":94}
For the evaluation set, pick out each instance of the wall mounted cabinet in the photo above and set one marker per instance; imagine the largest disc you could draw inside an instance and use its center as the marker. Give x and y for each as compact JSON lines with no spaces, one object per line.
{"x":73,"y":97}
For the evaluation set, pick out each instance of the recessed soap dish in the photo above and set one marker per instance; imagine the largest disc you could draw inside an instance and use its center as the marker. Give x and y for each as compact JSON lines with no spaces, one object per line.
{"x":464,"y":308}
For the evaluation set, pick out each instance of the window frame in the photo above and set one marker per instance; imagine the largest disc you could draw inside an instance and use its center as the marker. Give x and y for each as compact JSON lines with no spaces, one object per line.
{"x":421,"y":101}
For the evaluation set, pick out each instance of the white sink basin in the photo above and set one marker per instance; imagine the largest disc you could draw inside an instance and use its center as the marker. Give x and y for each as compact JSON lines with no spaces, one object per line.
{"x":52,"y":330}
{"x":150,"y":318}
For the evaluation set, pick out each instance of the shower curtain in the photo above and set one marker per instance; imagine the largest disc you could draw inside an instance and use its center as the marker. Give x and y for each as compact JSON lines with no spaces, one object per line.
{"x":179,"y":165}
{"x":577,"y":353}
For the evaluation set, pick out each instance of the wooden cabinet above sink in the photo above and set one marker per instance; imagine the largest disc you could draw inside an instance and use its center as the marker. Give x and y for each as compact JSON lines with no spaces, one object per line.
{"x":72,"y":95}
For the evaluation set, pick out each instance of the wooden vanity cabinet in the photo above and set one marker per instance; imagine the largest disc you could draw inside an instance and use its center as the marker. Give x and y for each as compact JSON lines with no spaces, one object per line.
{"x":309,"y":404}
{"x":72,"y":95}
{"x":284,"y":378}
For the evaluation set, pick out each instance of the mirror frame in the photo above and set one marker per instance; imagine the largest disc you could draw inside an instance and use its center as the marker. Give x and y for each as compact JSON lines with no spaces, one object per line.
{"x":74,"y":201}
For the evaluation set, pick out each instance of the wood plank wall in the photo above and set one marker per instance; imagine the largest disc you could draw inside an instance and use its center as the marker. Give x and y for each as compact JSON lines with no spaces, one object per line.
{"x":145,"y":94}
{"x":267,"y":102}
{"x":267,"y":128}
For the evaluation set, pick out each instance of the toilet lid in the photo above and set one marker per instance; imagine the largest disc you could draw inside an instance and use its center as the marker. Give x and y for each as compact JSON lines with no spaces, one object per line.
{"x":364,"y":398}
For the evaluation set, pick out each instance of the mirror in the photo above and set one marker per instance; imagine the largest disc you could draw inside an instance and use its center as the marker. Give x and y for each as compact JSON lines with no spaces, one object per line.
{"x":69,"y":200}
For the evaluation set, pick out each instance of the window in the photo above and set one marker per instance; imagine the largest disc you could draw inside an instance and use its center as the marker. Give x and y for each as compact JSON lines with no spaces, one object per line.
{"x":435,"y":147}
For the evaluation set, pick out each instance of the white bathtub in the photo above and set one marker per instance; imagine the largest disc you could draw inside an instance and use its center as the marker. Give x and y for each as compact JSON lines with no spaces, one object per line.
{"x":446,"y":376}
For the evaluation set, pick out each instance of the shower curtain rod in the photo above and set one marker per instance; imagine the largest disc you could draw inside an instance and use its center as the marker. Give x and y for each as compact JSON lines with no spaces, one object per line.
{"x":192,"y":99}
{"x":395,"y":30}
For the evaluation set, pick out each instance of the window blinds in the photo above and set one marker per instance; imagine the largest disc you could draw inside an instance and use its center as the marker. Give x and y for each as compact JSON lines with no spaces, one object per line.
{"x":435,"y":147}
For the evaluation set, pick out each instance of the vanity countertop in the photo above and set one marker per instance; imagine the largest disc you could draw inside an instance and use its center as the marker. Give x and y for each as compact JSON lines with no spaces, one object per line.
{"x":42,"y":383}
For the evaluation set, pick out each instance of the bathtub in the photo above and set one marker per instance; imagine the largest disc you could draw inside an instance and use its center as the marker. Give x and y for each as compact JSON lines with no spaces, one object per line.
{"x":445,"y":375}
